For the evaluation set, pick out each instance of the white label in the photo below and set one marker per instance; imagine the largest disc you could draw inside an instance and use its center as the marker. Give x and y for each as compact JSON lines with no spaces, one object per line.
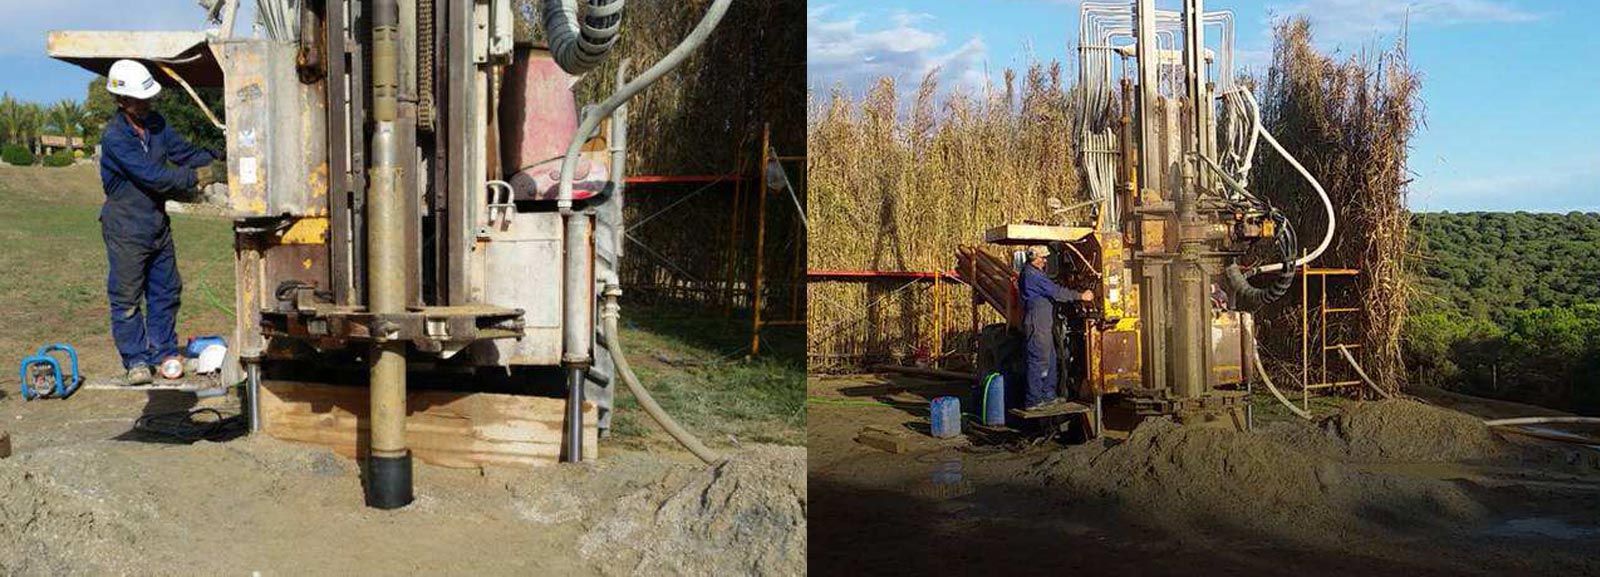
{"x":1114,"y":294}
{"x":247,"y":171}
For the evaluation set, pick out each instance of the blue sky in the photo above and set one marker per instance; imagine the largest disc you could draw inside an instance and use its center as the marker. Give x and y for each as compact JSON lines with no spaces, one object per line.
{"x":1511,"y":87}
{"x":27,"y":74}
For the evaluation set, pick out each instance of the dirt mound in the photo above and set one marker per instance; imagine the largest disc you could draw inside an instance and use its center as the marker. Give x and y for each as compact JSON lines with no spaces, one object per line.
{"x":1185,"y":476}
{"x":47,"y":529}
{"x":743,"y":517}
{"x":1409,"y":431}
{"x":1193,"y":470}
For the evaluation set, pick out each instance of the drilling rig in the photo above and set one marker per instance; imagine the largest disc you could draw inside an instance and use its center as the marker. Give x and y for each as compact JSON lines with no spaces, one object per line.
{"x":1173,"y":242}
{"x":416,"y":196}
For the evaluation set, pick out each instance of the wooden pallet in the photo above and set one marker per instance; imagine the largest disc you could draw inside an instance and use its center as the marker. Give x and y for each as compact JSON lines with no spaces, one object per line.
{"x":449,"y":429}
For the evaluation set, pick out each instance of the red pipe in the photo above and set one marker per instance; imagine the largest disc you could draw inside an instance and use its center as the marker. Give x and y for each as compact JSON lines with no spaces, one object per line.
{"x":884,"y":274}
{"x":689,"y":179}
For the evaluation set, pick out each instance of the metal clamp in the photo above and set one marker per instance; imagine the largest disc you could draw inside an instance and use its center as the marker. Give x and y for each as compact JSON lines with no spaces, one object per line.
{"x":506,"y":205}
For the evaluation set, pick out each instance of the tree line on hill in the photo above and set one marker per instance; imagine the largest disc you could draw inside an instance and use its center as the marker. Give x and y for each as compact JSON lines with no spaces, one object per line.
{"x":1508,"y":306}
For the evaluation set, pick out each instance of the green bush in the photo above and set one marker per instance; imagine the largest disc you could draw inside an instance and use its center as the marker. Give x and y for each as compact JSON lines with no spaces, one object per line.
{"x":59,"y":159}
{"x":16,"y":154}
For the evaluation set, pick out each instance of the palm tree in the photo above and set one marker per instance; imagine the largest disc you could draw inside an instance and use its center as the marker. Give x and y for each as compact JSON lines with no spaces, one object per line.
{"x":35,"y":117}
{"x":69,"y":118}
{"x":10,"y":119}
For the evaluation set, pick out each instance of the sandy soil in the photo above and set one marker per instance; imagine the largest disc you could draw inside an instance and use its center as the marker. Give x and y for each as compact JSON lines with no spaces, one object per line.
{"x":1395,"y":488}
{"x":85,"y":496}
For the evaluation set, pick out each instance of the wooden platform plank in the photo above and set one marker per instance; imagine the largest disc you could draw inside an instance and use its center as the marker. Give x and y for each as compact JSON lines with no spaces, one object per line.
{"x":1067,"y":408}
{"x":449,"y":429}
{"x":1016,"y":234}
{"x":189,"y":386}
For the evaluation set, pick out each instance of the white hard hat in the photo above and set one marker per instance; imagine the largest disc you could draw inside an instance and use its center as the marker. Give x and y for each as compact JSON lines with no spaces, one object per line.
{"x":211,"y":359}
{"x":1039,"y":251}
{"x":131,"y":79}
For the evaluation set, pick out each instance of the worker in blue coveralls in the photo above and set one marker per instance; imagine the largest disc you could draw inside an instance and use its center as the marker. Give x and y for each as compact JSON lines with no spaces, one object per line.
{"x":1039,"y":295}
{"x":143,"y":164}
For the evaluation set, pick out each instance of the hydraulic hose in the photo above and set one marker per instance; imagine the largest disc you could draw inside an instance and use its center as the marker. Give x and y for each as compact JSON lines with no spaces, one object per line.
{"x":1327,"y":237}
{"x":608,"y":321}
{"x":1520,"y":421}
{"x":578,"y":47}
{"x":1345,"y":350}
{"x":1255,"y":354}
{"x":1251,"y":296}
{"x":569,"y":164}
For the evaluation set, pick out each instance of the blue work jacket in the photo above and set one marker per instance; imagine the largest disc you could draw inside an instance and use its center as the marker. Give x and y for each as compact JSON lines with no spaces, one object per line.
{"x":137,"y":178}
{"x":1037,"y":289}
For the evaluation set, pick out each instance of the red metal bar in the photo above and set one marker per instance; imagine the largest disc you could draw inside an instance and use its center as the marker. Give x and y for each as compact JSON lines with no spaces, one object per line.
{"x":884,"y":274}
{"x":684,"y":179}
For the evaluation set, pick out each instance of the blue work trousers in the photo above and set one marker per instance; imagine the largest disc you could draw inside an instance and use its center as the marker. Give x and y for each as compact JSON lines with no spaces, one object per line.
{"x":143,"y":271}
{"x":1041,"y":352}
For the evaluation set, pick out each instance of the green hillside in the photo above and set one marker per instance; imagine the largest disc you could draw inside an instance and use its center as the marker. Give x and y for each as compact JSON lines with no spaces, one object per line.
{"x":1509,"y":306}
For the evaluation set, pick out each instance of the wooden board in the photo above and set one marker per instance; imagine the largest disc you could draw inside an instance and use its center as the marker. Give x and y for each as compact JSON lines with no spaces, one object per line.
{"x":449,"y":429}
{"x":1067,"y":408}
{"x":1013,"y":234}
{"x":188,"y":386}
{"x":882,"y":440}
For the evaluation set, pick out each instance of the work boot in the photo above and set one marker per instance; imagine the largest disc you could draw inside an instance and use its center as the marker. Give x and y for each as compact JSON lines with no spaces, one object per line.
{"x":1053,"y":401}
{"x":137,"y":375}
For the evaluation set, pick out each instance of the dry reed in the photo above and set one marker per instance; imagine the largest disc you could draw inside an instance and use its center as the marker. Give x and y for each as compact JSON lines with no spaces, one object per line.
{"x":898,"y":188}
{"x":1350,"y":123}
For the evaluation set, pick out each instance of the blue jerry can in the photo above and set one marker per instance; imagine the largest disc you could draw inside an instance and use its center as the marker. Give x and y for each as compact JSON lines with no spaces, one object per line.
{"x":944,"y":416}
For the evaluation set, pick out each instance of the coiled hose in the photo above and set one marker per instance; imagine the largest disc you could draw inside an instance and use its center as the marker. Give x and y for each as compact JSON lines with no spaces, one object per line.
{"x":578,"y":47}
{"x":690,"y":43}
{"x":609,"y":311}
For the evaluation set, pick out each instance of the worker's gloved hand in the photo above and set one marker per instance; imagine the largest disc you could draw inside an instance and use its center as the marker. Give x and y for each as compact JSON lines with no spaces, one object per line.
{"x":216,"y":172}
{"x":1088,"y":296}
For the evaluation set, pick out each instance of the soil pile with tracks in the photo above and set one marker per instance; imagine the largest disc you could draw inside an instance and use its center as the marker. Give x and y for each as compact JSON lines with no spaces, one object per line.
{"x":744,"y":516}
{"x":1294,"y":480}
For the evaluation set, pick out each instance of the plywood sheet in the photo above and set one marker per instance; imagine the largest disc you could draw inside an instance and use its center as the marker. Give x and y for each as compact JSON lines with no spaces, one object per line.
{"x":449,"y":429}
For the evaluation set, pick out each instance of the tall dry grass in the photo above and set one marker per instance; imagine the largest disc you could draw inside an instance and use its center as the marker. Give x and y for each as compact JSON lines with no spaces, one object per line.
{"x":897,"y":186}
{"x":1350,"y":123}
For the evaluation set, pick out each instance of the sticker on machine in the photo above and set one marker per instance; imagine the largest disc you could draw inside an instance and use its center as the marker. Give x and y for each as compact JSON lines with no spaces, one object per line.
{"x":247,"y":171}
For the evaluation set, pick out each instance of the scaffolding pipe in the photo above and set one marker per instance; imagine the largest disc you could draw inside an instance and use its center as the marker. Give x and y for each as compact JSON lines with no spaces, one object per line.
{"x":388,"y":461}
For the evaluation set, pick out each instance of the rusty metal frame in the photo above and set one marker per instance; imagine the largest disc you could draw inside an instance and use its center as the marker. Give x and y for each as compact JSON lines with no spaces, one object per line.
{"x":1322,"y":346}
{"x":430,"y":329}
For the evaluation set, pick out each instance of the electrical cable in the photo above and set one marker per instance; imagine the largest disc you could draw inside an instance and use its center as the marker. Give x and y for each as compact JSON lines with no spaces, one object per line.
{"x":186,"y":427}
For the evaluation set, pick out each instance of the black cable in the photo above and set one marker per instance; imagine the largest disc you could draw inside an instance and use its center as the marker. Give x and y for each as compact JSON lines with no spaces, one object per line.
{"x":183,"y":425}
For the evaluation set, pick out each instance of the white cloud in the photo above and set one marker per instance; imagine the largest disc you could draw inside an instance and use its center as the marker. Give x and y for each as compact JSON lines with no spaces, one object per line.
{"x":1359,"y":20}
{"x":856,"y":50}
{"x":1557,"y":187}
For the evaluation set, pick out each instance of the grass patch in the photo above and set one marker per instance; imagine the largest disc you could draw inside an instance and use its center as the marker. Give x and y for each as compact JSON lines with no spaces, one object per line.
{"x":55,"y":266}
{"x":694,"y":363}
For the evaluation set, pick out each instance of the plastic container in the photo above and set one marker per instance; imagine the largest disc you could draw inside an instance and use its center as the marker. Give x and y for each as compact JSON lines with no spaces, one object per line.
{"x":198,"y":345}
{"x":993,"y":409}
{"x":944,"y":415}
